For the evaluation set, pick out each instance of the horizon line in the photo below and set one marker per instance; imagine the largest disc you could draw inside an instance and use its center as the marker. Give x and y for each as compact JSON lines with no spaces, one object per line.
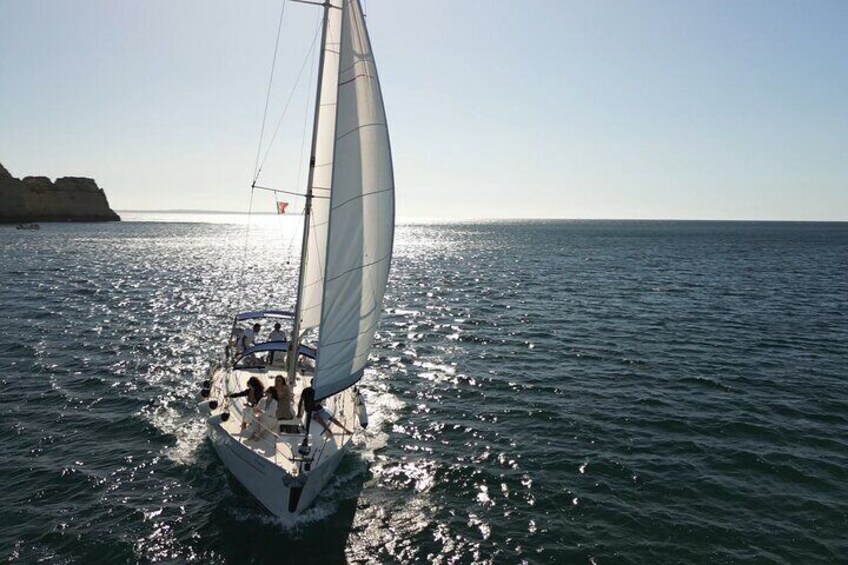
{"x":493,"y":218}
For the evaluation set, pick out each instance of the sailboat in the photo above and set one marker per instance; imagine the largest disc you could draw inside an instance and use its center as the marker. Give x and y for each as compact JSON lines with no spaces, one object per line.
{"x":344,"y":266}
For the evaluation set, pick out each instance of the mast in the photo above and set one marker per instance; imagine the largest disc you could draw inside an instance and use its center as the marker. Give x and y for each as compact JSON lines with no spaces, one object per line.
{"x":294,"y":342}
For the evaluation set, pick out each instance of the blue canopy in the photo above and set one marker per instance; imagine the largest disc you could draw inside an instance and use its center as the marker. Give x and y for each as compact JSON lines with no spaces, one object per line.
{"x":264,"y":314}
{"x":279,"y":346}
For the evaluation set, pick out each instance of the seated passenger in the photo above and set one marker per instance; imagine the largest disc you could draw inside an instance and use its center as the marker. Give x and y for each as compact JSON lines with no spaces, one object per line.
{"x":305,"y":365}
{"x":319,"y":413}
{"x":284,"y":405}
{"x":264,"y":415}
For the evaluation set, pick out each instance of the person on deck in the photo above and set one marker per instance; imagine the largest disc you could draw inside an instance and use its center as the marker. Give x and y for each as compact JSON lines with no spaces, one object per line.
{"x":254,"y":393}
{"x":245,"y":342}
{"x":254,"y":334}
{"x":264,"y":415}
{"x":276,"y":335}
{"x":284,"y":405}
{"x":305,"y":365}
{"x":319,"y":413}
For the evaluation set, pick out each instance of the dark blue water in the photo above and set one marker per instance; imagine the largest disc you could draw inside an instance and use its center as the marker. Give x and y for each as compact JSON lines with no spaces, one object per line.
{"x":547,"y":392}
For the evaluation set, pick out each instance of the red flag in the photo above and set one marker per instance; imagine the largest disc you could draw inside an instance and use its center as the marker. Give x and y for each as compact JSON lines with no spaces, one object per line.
{"x":281,"y":207}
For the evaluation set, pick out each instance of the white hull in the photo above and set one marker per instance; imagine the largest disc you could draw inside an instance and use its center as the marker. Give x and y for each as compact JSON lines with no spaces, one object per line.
{"x":269,"y":484}
{"x":270,"y":469}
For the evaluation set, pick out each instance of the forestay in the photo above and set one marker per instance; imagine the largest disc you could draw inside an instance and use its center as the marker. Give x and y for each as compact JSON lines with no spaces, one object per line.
{"x":361,"y":214}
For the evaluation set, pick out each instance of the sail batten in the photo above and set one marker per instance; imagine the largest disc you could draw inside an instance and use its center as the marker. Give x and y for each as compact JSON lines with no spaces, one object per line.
{"x":360,"y":213}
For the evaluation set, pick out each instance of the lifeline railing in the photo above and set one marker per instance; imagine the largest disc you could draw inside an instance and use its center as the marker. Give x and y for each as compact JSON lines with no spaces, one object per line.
{"x":274,"y":434}
{"x":226,"y":407}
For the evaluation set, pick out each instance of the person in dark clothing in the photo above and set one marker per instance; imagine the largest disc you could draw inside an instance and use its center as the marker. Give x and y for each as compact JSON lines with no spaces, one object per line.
{"x":253,"y":392}
{"x":276,"y":356}
{"x":319,"y":413}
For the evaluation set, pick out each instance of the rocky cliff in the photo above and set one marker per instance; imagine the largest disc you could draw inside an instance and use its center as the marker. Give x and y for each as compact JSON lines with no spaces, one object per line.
{"x":36,"y":199}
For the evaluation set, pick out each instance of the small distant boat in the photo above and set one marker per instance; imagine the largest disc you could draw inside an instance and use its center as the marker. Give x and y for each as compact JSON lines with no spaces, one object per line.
{"x":344,"y":267}
{"x":31,"y":226}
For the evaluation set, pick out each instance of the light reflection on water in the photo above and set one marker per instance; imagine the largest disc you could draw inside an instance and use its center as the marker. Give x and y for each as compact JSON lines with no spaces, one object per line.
{"x":522,"y":409}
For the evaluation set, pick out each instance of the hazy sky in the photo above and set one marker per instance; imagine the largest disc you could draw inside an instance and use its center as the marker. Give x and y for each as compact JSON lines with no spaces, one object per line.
{"x":593,"y":109}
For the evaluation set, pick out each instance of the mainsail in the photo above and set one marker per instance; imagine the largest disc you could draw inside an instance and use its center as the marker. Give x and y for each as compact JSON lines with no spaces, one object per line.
{"x":360,"y":227}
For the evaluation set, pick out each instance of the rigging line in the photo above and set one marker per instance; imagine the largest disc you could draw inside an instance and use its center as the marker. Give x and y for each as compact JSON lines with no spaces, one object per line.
{"x":318,"y":252}
{"x":281,"y":191}
{"x":274,"y":288}
{"x":268,"y":93}
{"x":244,"y":251}
{"x":289,"y":252}
{"x":287,"y":239}
{"x":288,"y":101}
{"x":305,"y":120}
{"x":290,"y":247}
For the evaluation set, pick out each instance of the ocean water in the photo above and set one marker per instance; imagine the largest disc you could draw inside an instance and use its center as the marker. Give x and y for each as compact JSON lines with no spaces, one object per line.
{"x":540,"y":392}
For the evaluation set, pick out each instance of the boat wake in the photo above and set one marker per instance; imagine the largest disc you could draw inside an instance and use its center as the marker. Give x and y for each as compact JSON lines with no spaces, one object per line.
{"x":174,"y":413}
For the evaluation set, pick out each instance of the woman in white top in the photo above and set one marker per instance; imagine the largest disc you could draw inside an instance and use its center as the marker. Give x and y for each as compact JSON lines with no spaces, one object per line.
{"x":264,"y":414}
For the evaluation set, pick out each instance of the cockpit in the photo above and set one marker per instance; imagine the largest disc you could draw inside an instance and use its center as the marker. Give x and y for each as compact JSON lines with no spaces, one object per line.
{"x":259,"y":340}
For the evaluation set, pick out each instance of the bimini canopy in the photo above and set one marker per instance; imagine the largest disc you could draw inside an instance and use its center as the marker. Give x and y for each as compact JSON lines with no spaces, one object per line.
{"x":278,"y":346}
{"x":264,"y":314}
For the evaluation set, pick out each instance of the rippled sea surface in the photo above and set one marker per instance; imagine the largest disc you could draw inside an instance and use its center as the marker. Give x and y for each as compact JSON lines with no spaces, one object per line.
{"x":540,"y":392}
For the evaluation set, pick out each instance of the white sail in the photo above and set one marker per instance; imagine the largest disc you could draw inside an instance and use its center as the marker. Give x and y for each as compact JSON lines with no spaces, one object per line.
{"x":313,"y":279}
{"x":361,"y":214}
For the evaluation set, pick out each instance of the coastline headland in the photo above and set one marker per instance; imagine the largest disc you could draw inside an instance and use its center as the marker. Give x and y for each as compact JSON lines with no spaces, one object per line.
{"x":37,"y":199}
